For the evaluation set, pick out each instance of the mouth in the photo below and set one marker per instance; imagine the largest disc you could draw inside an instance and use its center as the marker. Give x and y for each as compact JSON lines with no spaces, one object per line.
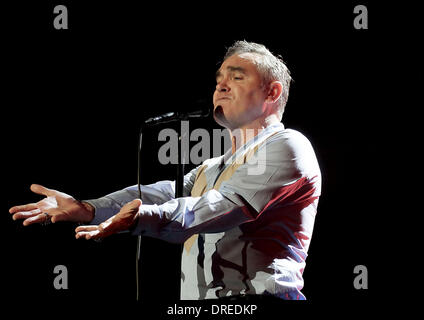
{"x":218,"y":112}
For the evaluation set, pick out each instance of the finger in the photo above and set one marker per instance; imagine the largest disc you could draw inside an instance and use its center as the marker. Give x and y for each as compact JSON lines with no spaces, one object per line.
{"x":86,"y":228}
{"x":88,"y":234}
{"x":25,"y":207}
{"x":57,"y":215}
{"x":134,"y":204}
{"x":36,"y":219}
{"x":26,"y":214}
{"x":39,"y":189}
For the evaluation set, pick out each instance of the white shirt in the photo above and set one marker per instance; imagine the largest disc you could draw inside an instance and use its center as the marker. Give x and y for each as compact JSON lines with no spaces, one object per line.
{"x":246,"y":219}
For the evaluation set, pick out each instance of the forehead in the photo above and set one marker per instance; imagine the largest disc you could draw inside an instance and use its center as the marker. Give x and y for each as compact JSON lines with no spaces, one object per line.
{"x":246,"y":61}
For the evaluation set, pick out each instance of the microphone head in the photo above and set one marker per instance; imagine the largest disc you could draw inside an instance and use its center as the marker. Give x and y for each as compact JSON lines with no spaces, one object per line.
{"x":158,"y":119}
{"x":201,"y":113}
{"x":200,"y":109}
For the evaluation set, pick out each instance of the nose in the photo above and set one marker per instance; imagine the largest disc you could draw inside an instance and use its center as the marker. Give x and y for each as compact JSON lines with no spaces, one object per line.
{"x":222,"y":86}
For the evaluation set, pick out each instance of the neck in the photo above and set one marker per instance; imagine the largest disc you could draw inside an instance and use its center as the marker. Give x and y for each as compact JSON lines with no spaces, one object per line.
{"x":242,"y":135}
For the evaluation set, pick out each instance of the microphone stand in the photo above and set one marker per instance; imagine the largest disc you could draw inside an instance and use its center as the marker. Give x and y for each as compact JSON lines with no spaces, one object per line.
{"x":179,"y":182}
{"x":179,"y":185}
{"x":140,"y":142}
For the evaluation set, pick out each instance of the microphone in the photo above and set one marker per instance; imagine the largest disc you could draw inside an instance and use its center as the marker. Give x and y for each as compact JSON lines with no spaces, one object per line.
{"x":175,"y":116}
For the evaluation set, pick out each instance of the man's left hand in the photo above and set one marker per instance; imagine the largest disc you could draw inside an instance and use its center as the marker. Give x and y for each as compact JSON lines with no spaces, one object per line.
{"x":122,"y":221}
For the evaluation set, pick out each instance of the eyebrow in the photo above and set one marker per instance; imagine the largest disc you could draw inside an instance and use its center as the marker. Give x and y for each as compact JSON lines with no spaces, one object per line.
{"x":231,"y":69}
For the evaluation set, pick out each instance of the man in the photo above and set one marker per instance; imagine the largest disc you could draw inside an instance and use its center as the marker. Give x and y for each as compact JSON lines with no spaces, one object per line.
{"x":246,"y":218}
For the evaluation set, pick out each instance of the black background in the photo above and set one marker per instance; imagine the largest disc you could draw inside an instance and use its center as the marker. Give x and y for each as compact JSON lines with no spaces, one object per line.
{"x":73,"y":101}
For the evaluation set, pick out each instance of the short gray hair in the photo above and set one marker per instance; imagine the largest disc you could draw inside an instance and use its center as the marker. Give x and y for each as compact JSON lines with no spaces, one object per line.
{"x":271,"y":67}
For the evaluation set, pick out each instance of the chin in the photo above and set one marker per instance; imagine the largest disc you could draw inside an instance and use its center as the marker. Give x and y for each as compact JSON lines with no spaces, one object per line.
{"x":219,"y":121}
{"x":219,"y":116}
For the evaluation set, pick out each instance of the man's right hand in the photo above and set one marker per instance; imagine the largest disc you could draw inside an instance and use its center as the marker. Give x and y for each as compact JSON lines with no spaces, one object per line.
{"x":57,"y":206}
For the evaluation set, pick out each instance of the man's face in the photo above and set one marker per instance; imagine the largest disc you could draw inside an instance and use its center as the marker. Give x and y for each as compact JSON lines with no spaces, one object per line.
{"x":239,"y":95}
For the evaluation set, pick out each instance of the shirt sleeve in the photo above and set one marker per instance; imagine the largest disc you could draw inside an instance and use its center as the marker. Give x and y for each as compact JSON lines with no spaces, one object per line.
{"x":238,"y":200}
{"x":275,"y":169}
{"x":157,"y":193}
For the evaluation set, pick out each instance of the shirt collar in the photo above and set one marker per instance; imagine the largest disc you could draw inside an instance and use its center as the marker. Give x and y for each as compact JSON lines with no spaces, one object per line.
{"x":259,"y":137}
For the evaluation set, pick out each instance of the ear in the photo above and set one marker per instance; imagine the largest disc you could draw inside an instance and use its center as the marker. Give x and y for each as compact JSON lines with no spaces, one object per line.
{"x":274,"y":92}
